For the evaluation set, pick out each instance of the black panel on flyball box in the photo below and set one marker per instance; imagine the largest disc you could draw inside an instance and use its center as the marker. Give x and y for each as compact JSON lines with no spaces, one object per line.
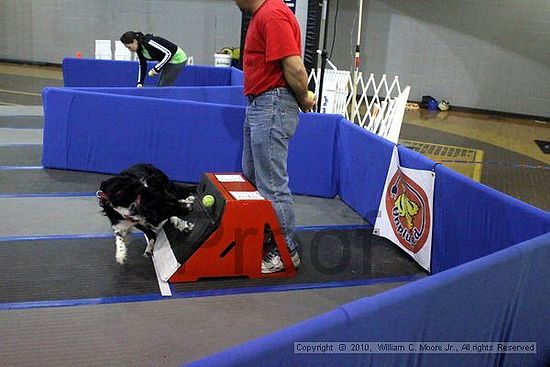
{"x":206,"y":221}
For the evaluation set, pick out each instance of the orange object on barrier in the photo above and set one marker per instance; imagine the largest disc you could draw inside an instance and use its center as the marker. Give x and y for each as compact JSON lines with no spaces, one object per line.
{"x":235,"y":248}
{"x":78,"y":54}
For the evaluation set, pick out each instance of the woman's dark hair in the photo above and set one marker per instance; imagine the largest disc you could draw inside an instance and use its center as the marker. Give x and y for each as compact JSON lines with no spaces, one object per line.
{"x":130,"y":36}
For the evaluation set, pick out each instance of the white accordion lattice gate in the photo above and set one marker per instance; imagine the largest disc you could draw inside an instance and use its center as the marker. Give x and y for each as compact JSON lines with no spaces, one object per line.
{"x":377,"y":106}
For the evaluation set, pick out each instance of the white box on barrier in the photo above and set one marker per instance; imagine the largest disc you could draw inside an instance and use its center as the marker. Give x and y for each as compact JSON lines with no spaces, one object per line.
{"x":103,"y":50}
{"x":121,"y":52}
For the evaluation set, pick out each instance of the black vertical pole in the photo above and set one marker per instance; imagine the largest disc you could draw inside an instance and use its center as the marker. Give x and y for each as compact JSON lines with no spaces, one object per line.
{"x":323,"y":59}
{"x":245,"y":20}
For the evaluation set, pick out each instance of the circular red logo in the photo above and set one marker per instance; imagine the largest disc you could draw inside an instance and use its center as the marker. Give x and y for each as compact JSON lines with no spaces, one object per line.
{"x":408,"y":210}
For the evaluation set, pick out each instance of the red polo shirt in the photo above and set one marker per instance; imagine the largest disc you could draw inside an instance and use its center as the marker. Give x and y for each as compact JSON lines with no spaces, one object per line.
{"x":273,"y":34}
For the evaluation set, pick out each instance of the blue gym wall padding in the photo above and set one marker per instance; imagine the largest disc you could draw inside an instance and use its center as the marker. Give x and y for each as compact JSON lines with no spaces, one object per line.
{"x":500,"y":297}
{"x":109,"y":73}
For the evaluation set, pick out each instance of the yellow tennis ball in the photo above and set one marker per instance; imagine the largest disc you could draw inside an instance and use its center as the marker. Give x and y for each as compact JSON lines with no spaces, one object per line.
{"x":208,"y":201}
{"x":310,"y":95}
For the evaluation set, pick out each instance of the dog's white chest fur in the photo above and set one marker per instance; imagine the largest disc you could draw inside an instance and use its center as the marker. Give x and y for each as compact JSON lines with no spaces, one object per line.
{"x":127,"y":213}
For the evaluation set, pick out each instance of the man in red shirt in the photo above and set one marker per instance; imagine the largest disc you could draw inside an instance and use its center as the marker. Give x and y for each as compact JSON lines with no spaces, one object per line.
{"x":275,"y":82}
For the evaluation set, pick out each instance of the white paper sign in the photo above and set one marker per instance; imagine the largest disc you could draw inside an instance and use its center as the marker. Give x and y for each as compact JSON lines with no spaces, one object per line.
{"x":406,"y":210}
{"x":247,"y":195}
{"x":229,"y":178}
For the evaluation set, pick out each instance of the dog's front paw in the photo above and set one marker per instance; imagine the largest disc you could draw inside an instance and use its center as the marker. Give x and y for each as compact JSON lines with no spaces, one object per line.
{"x":188,"y":226}
{"x":188,"y":203}
{"x":120,"y":254}
{"x":182,"y":225}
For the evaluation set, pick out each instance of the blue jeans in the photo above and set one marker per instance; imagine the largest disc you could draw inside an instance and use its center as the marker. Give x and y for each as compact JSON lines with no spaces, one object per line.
{"x":271,"y":120}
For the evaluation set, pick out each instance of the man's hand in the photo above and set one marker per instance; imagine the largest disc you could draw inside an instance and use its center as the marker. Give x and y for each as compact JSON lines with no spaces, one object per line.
{"x":152,"y":73}
{"x":307,"y":103}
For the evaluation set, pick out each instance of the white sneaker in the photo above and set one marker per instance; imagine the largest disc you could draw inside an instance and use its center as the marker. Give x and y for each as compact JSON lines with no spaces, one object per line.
{"x":272,"y":262}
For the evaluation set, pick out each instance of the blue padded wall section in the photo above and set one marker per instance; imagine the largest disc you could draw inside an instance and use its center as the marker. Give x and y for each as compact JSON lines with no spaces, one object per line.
{"x":470,"y":219}
{"x":98,"y":73}
{"x":200,"y":75}
{"x":473,"y":220}
{"x":231,"y":95}
{"x":110,"y":73}
{"x":411,"y":159}
{"x":107,"y":133}
{"x":312,"y":166}
{"x":363,"y":160}
{"x":501,"y":297}
{"x":237,"y":77}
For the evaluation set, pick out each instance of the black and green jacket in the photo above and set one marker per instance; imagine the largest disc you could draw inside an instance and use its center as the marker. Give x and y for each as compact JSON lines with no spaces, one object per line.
{"x":157,"y":49}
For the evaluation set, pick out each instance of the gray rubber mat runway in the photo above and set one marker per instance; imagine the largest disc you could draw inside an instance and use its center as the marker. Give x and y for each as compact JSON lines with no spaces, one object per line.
{"x":309,"y":210}
{"x":22,"y":122}
{"x":167,"y":333}
{"x":68,"y":269}
{"x":49,"y":181}
{"x":36,"y":110}
{"x":32,"y":216}
{"x":21,"y":155}
{"x":10,"y":136}
{"x":72,"y":269}
{"x":331,"y":256}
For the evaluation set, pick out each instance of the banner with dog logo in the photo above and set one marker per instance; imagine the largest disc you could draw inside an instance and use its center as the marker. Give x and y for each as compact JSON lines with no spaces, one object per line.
{"x":405,"y":215}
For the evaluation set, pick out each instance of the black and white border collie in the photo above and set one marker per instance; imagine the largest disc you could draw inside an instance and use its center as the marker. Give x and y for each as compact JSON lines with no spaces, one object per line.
{"x":143,"y":197}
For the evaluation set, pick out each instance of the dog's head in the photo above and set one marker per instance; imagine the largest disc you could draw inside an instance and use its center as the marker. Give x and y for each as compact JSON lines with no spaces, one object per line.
{"x":119,"y":193}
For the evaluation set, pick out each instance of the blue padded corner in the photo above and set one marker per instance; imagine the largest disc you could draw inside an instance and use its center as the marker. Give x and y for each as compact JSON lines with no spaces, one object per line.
{"x":312,"y":162}
{"x":363,"y":164}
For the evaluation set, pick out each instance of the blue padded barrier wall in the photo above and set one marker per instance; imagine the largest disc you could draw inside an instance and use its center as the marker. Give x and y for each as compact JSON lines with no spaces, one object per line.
{"x":470,"y":219}
{"x":98,"y":73}
{"x":106,"y":132}
{"x":231,"y":95}
{"x":473,"y":220}
{"x":363,"y":160}
{"x":108,"y":73}
{"x":312,"y":166}
{"x":501,"y":297}
{"x":237,"y":77}
{"x":200,"y":75}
